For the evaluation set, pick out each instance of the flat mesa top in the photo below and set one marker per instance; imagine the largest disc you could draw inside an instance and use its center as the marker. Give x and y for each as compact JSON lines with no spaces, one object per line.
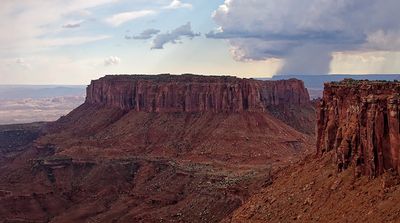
{"x":363,"y":88}
{"x":179,"y":78}
{"x":166,"y":77}
{"x":348,"y":82}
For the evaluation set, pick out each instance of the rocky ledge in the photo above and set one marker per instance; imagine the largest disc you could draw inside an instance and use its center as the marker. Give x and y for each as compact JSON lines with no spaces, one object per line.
{"x":194,"y":93}
{"x":360,"y":120}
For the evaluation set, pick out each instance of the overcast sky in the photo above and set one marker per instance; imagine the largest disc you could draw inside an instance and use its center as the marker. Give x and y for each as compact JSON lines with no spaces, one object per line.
{"x":72,"y":42}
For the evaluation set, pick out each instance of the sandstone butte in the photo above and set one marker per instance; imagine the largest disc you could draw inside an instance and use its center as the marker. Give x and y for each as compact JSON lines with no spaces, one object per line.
{"x":360,"y":121}
{"x":200,"y":115}
{"x":194,"y":93}
{"x":287,"y":100}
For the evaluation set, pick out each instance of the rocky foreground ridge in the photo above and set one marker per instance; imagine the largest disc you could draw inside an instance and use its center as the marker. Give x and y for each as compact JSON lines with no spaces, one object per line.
{"x":360,"y":120}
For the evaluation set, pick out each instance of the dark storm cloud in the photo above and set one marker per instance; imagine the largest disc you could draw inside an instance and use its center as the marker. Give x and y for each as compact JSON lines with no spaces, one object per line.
{"x":146,"y":34}
{"x":174,"y":36}
{"x":305,"y":33}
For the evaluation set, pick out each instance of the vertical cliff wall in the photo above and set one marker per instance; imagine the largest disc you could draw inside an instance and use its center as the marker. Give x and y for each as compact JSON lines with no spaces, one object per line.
{"x":193,"y":93}
{"x":360,"y":121}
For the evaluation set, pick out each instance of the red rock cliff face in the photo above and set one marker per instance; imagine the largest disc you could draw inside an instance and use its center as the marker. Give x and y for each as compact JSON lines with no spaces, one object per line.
{"x":360,"y":121}
{"x":192,"y":93}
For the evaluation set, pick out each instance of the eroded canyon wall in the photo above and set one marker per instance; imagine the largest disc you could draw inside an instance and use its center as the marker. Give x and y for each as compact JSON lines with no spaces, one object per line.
{"x":360,"y":120}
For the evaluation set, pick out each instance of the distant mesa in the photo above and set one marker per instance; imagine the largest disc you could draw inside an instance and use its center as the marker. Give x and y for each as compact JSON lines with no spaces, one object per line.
{"x":194,"y":93}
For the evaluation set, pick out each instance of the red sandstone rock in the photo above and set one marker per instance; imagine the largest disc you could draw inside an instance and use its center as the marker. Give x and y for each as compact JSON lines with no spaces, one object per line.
{"x":192,"y":93}
{"x":360,"y":121}
{"x":287,"y":100}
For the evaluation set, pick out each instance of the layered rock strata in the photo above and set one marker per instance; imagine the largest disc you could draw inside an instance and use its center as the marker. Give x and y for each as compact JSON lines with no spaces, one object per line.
{"x":360,"y":121}
{"x":193,"y":93}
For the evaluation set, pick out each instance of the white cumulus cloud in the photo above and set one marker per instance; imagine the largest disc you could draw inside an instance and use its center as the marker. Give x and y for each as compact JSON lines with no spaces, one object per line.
{"x":112,"y":60}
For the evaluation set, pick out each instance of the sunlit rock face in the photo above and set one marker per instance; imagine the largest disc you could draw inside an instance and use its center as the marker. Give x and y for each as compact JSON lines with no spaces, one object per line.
{"x":360,"y":121}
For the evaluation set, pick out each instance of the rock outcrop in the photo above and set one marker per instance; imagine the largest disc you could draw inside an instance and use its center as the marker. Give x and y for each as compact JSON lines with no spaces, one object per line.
{"x":360,"y":121}
{"x":194,"y":93}
{"x":287,"y":100}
